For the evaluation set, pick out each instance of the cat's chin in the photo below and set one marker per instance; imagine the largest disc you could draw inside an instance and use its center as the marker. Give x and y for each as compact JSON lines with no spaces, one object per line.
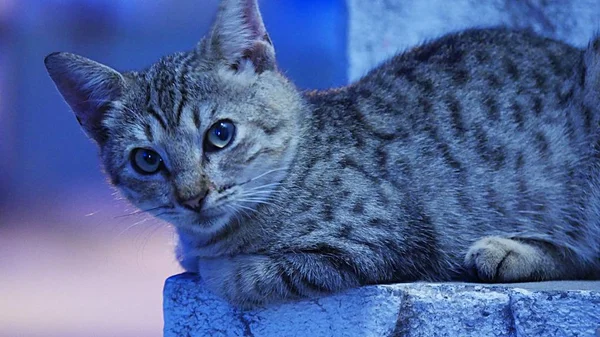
{"x":205,"y":224}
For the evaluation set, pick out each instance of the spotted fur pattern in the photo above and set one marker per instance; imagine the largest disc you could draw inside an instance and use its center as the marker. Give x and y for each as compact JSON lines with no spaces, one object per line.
{"x":474,"y":155}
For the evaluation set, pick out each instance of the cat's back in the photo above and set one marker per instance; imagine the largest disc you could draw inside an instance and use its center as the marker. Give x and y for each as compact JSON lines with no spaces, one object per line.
{"x":472,"y":61}
{"x":478,"y":83}
{"x":490,"y":72}
{"x":480,"y":121}
{"x":489,"y":57}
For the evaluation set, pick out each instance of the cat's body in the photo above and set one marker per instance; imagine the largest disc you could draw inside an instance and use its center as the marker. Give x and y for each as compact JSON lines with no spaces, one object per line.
{"x":476,"y":152}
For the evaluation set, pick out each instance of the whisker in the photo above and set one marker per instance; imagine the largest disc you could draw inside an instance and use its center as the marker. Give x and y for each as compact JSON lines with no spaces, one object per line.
{"x":258,"y":201}
{"x":269,"y":172}
{"x":144,"y":211}
{"x":246,"y":208}
{"x":246,"y":214}
{"x":132,"y":226}
{"x":261,"y":191}
{"x":157,"y":227}
{"x":264,"y":186}
{"x":235,"y":213}
{"x":261,"y":194}
{"x":264,"y":174}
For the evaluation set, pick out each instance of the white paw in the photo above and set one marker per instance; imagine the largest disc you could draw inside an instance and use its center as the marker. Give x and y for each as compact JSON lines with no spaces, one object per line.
{"x":494,"y":259}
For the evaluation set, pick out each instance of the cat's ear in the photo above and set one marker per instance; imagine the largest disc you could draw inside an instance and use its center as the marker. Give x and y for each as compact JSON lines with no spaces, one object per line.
{"x":88,"y":87}
{"x":239,"y":37}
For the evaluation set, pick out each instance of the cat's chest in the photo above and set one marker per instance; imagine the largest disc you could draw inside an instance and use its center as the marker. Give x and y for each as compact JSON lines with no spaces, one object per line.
{"x":242,"y":236}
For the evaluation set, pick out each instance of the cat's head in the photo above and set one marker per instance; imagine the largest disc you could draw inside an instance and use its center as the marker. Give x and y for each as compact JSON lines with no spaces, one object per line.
{"x":200,"y":137}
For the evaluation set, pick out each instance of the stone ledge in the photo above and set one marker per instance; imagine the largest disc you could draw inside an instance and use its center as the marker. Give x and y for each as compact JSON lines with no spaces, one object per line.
{"x":415,"y":309}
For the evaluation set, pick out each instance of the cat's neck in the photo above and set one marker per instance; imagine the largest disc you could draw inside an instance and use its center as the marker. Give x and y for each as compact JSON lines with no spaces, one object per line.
{"x":324,"y":112}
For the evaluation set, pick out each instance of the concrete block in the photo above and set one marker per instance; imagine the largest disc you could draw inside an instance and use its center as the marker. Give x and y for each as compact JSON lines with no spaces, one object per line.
{"x":413,"y":309}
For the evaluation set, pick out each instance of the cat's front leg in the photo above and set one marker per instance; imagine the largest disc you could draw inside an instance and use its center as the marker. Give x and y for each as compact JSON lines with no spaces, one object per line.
{"x":250,"y":280}
{"x":185,"y":251}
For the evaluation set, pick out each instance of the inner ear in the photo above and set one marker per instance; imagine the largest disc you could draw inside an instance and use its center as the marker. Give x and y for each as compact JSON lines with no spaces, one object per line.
{"x":239,"y":37}
{"x":260,"y":56}
{"x":90,"y":89}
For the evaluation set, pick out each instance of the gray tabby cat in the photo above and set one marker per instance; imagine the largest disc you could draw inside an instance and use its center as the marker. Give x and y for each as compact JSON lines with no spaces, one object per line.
{"x":475,"y":154}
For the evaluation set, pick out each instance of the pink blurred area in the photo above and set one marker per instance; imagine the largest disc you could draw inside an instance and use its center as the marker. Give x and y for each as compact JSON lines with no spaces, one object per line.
{"x":72,"y":261}
{"x":73,"y":267}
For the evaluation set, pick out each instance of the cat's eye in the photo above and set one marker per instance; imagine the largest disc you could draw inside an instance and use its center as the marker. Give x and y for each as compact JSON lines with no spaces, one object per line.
{"x":146,"y":161}
{"x":219,"y":136}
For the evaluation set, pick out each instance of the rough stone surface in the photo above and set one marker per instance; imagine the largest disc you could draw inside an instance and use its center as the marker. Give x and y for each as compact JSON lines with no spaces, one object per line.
{"x":379,"y":29}
{"x":416,"y":309}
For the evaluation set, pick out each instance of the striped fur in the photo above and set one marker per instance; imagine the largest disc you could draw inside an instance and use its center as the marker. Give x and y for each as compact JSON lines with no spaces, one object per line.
{"x":473,"y":156}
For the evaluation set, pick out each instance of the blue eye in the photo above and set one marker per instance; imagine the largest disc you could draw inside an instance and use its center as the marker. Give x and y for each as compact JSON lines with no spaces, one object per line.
{"x":219,"y":136}
{"x":146,"y":161}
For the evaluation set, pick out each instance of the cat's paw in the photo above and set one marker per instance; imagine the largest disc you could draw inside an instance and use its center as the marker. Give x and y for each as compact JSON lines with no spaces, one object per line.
{"x":494,"y":259}
{"x":218,"y":276}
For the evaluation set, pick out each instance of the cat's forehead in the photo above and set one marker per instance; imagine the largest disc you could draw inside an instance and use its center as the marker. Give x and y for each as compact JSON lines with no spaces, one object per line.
{"x":191,"y":75}
{"x":183,"y":84}
{"x":179,"y":70}
{"x":174,"y":79}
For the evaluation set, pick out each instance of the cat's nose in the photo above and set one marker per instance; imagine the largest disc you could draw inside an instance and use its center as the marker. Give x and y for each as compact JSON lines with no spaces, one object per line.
{"x":195,"y":203}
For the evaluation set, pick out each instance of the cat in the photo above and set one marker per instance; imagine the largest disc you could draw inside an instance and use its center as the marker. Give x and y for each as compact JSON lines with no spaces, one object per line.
{"x":470,"y":157}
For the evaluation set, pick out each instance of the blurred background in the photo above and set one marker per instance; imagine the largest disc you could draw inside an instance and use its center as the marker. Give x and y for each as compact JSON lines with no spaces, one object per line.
{"x":72,"y":262}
